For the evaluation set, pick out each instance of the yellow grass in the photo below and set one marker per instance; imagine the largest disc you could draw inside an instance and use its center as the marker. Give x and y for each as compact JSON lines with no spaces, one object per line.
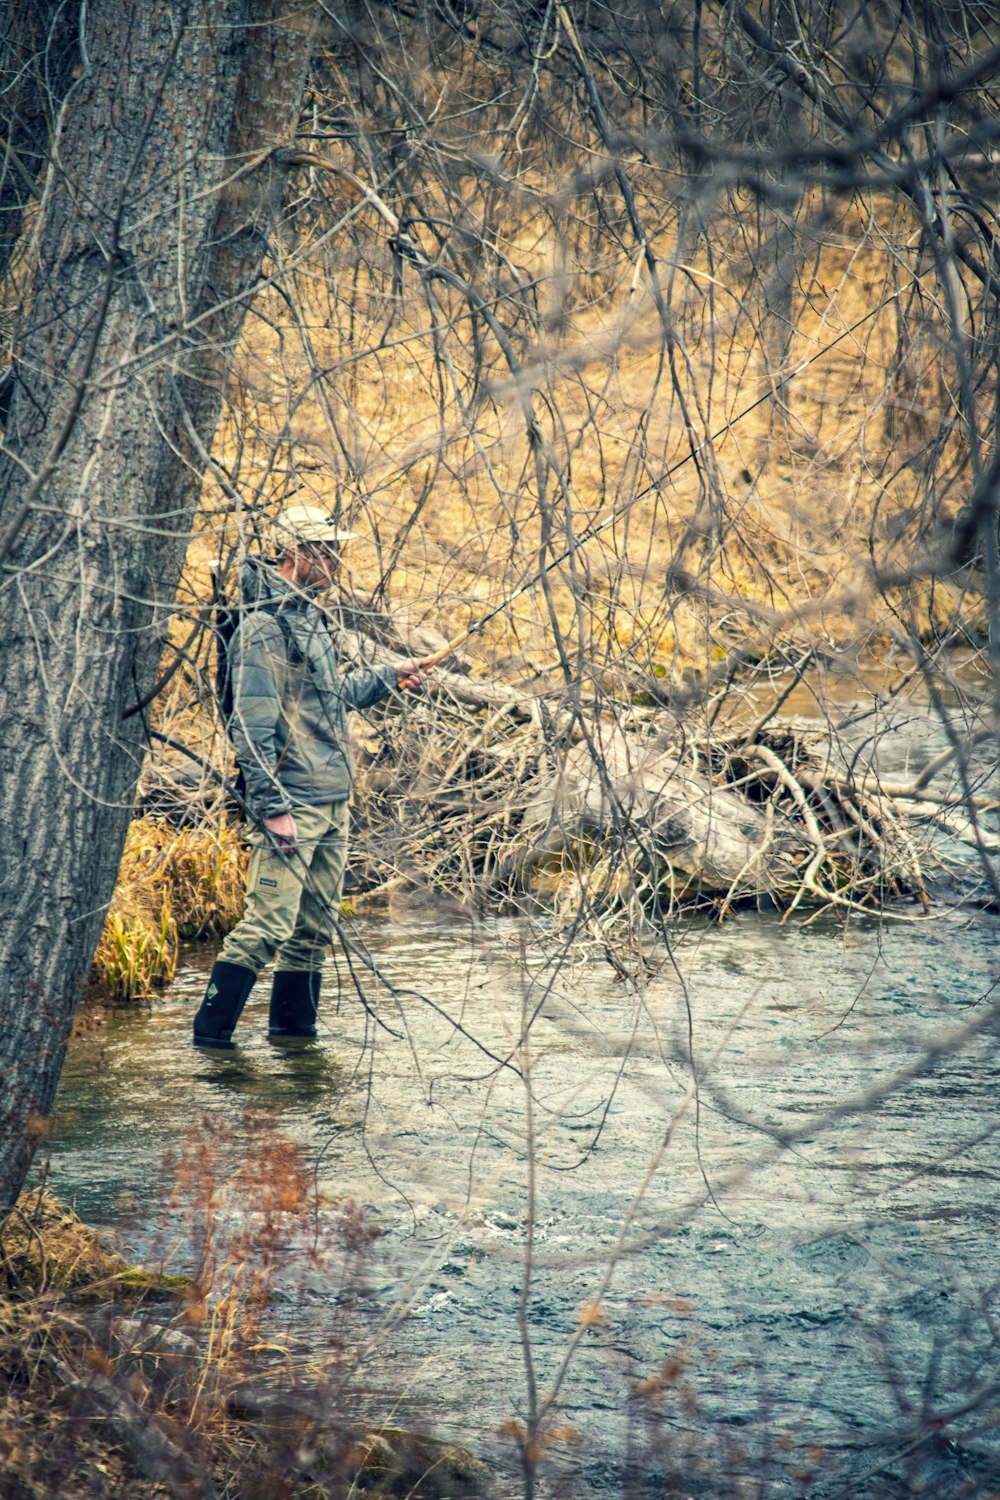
{"x":45,"y":1246}
{"x":778,"y":514}
{"x":173,"y":885}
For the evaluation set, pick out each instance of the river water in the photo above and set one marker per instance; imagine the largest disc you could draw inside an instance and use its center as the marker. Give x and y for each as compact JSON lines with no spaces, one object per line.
{"x":810,"y":1284}
{"x":738,"y":1225}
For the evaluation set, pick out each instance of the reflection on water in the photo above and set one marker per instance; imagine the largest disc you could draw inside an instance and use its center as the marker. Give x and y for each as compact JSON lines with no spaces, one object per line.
{"x":817,"y":1273}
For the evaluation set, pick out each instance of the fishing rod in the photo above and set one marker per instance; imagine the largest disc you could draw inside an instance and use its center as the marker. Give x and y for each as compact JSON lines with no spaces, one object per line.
{"x":656,"y":484}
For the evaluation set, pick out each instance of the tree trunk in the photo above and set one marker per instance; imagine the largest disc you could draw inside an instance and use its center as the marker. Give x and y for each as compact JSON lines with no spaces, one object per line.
{"x":778,"y":248}
{"x":38,"y":52}
{"x":156,"y":206}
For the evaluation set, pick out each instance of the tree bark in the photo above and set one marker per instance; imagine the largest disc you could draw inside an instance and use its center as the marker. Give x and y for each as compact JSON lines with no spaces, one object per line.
{"x":158,"y":198}
{"x":38,"y":53}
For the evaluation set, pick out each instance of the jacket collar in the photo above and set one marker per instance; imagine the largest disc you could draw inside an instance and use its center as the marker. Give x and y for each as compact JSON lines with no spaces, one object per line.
{"x":261,"y":583}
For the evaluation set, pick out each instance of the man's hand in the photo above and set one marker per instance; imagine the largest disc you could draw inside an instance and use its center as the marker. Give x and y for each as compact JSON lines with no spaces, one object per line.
{"x":283,"y":830}
{"x":411,"y":675}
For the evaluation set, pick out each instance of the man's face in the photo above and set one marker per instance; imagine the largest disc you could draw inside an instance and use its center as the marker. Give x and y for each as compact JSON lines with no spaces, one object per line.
{"x":316,"y":565}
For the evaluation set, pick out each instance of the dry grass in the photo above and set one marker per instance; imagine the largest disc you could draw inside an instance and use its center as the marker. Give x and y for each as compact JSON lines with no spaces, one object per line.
{"x":121,"y":1384}
{"x":173,"y":885}
{"x":45,"y":1247}
{"x":785,"y":511}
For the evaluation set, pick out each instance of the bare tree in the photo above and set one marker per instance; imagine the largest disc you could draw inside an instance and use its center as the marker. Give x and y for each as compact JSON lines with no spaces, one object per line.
{"x":161,"y":182}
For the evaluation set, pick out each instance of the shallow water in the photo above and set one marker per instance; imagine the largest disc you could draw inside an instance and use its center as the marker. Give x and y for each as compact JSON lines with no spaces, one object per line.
{"x":822,"y":1277}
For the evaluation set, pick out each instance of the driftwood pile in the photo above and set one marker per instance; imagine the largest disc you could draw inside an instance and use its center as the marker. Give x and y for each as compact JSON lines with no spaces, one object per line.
{"x":499,"y":798}
{"x":620,"y":816}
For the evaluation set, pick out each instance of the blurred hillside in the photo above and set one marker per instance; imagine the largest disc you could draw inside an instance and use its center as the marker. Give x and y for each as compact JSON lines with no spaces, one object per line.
{"x":537,"y":257}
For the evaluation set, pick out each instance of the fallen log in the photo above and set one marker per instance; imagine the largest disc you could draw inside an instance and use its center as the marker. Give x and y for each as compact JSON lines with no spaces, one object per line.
{"x":154,"y":1453}
{"x":701,"y":836}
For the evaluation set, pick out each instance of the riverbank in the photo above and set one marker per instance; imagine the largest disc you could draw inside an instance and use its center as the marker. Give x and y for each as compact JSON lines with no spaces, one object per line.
{"x":125,"y":1384}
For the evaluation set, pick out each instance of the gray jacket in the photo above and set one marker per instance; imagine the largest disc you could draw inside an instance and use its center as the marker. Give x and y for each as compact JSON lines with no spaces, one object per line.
{"x":289,"y":721}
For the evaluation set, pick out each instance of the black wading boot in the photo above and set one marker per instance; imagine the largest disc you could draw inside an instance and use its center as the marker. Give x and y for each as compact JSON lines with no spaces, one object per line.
{"x":294,"y":1003}
{"x":228,"y":988}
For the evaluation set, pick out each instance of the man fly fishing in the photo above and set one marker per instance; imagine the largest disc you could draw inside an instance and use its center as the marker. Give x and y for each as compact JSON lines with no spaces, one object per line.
{"x":290,"y":698}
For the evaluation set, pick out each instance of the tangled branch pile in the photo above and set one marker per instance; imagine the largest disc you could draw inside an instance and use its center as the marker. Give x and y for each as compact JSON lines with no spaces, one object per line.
{"x":618,"y":806}
{"x":596,"y":816}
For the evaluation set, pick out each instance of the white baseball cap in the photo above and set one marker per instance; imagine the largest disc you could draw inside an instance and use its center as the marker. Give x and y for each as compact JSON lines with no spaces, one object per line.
{"x":308,"y":523}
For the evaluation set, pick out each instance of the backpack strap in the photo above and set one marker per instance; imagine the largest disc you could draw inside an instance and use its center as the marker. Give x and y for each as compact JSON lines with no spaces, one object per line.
{"x":293,"y":650}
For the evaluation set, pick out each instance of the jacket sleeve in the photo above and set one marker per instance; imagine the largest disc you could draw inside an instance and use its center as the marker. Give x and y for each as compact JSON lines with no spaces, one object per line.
{"x":257,"y":727}
{"x":363,"y":686}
